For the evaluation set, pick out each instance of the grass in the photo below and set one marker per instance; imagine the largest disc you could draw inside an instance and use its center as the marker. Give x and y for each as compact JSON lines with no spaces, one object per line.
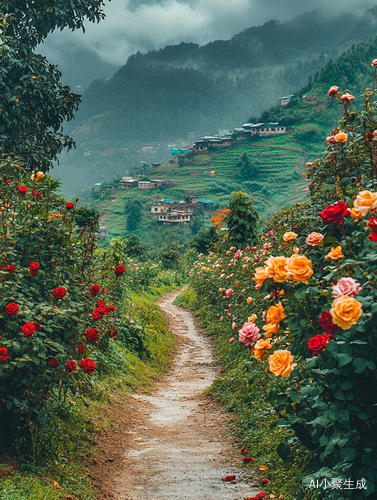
{"x":67,"y":442}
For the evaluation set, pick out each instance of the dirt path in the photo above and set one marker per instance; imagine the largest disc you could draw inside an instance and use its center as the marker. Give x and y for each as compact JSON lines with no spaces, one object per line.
{"x":179,"y":447}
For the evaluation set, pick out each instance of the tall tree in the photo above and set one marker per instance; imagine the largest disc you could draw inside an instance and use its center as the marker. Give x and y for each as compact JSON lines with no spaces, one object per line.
{"x":242,"y":220}
{"x":33,"y":102}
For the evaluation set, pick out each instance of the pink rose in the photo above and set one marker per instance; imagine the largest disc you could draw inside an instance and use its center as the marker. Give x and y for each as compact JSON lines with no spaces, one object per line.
{"x":234,"y":325}
{"x":314,"y":239}
{"x":238,"y":254}
{"x":229,"y":292}
{"x":346,"y":286}
{"x":248,"y":334}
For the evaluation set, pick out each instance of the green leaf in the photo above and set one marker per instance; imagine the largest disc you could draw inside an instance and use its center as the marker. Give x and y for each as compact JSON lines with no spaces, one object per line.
{"x":360,"y":364}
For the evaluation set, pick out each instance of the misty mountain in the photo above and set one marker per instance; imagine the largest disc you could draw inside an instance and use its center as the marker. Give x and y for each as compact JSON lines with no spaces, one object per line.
{"x":168,"y":93}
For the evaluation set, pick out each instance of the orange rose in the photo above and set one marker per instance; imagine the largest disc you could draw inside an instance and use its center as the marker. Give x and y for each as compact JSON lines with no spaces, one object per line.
{"x":289,"y":236}
{"x":335,"y":254}
{"x":346,"y":311}
{"x":299,"y":268}
{"x":365,"y":201}
{"x":275,"y":314}
{"x":341,"y":137}
{"x":270,"y":329}
{"x":260,"y":275}
{"x":314,"y":239}
{"x":281,"y":363}
{"x":261,"y":347}
{"x":276,"y":268}
{"x":356,"y":214}
{"x":252,"y":318}
{"x":249,"y":300}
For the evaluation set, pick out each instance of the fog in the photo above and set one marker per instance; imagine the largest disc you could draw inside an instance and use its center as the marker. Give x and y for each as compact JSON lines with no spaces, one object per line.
{"x":133,"y":25}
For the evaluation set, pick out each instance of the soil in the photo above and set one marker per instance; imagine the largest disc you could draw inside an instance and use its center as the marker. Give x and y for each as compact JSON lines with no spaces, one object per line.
{"x":176,"y":442}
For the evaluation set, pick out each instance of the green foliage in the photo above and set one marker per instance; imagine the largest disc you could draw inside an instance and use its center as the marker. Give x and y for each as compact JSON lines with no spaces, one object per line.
{"x":133,"y":210}
{"x":134,"y":248}
{"x":204,"y":239}
{"x":246,"y":170}
{"x":242,"y":221}
{"x":86,"y":217}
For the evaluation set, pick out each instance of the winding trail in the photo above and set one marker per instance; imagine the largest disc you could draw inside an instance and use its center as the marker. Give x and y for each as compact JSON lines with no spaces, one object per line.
{"x":179,"y":447}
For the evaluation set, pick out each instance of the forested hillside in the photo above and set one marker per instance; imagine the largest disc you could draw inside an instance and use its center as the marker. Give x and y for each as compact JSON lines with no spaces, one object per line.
{"x":167,"y":94}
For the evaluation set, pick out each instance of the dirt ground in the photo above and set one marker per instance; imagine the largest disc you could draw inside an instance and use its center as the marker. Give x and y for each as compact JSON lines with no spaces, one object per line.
{"x":175,"y":443}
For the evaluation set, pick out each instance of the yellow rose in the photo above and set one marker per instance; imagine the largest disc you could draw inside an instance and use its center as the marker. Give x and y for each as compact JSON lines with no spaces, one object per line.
{"x":295,"y":250}
{"x":276,"y":268}
{"x":346,"y":311}
{"x":299,"y":268}
{"x":252,"y":318}
{"x":281,"y":363}
{"x":365,"y":201}
{"x":356,"y":214}
{"x":261,"y":347}
{"x":341,"y":137}
{"x":249,"y":300}
{"x":275,"y":314}
{"x":335,"y":254}
{"x":290,"y":235}
{"x":260,"y":275}
{"x":270,"y":329}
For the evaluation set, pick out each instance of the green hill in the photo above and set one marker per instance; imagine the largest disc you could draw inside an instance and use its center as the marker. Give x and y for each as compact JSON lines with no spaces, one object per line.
{"x":166,"y":94}
{"x":278,"y":161}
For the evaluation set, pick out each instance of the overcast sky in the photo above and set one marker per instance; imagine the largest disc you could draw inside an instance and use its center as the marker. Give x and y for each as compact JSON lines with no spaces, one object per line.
{"x":132,"y":25}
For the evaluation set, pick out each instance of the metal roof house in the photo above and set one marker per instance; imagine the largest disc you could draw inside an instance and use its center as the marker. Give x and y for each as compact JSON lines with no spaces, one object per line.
{"x":288,"y":99}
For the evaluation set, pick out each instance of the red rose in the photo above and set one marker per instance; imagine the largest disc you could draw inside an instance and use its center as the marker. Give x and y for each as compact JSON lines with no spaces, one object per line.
{"x":22,"y":190}
{"x":247,"y":460}
{"x":100,"y":303}
{"x":71,"y":366}
{"x":28,"y":329}
{"x":10,"y":268}
{"x":372,"y":223}
{"x":102,"y":310}
{"x":111,"y":308}
{"x":326,"y":323}
{"x":38,"y":327}
{"x":244,"y":451}
{"x":53,"y":362}
{"x":261,"y":495}
{"x":8,"y":181}
{"x":36,"y":194}
{"x":34,"y":266}
{"x":12,"y":308}
{"x":94,"y":290}
{"x":69,"y":205}
{"x":81,"y":349}
{"x":59,"y":292}
{"x":4,"y":354}
{"x":265,"y":481}
{"x":368,"y":137}
{"x":333,"y":91}
{"x":91,"y":335}
{"x":88,"y":365}
{"x":119,"y":270}
{"x":335,"y":213}
{"x":96,"y":315}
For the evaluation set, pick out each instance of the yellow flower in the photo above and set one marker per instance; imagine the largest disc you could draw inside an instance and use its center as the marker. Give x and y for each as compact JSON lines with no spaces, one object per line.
{"x":346,"y":311}
{"x":299,"y":268}
{"x":356,"y":214}
{"x":249,"y":300}
{"x":275,"y":314}
{"x":290,"y":235}
{"x":270,"y":329}
{"x":252,"y":318}
{"x":335,"y":254}
{"x":281,"y":363}
{"x":56,"y":216}
{"x":341,"y":137}
{"x":276,"y":268}
{"x":365,"y":201}
{"x":261,"y":347}
{"x":260,"y":275}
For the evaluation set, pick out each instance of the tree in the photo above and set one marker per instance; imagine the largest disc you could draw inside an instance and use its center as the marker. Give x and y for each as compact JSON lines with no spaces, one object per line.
{"x":245,"y":168}
{"x":133,"y":211}
{"x":204,"y":239}
{"x":134,"y":247}
{"x":242,"y":220}
{"x":33,"y":102}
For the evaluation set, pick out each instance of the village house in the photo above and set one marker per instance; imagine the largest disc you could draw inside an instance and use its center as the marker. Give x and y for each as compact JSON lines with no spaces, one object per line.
{"x":175,"y":216}
{"x":263,"y":129}
{"x":217,"y":142}
{"x":127,"y":183}
{"x":187,"y":207}
{"x":288,"y":99}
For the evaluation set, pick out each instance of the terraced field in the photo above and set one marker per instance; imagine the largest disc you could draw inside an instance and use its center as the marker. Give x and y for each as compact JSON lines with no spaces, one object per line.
{"x":279,"y":160}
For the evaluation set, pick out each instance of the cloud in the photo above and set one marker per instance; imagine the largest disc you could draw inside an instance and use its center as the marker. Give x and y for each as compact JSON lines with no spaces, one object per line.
{"x":133,"y":25}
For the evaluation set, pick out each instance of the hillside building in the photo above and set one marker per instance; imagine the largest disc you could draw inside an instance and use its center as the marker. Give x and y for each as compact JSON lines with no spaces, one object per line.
{"x":262,"y":129}
{"x":288,"y":99}
{"x":216,"y":142}
{"x":178,"y":211}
